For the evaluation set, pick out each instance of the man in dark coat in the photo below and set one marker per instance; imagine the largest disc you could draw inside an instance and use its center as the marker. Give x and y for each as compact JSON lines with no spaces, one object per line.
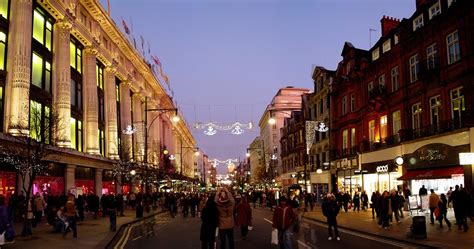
{"x":345,"y":199}
{"x":330,"y":210}
{"x":210,"y":221}
{"x":460,"y":204}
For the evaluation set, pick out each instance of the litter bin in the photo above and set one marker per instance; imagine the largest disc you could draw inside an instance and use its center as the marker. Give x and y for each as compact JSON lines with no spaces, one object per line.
{"x":419,"y":227}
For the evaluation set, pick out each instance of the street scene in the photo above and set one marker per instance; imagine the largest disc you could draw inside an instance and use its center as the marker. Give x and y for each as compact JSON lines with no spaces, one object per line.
{"x":227,"y":124}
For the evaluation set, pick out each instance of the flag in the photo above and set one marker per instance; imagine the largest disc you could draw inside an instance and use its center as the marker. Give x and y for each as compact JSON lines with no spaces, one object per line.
{"x":156,"y":60}
{"x":125,"y":27}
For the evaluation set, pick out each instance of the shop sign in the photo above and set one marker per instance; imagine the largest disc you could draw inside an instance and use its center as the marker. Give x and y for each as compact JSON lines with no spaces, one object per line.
{"x":382,"y":168}
{"x":434,"y":155}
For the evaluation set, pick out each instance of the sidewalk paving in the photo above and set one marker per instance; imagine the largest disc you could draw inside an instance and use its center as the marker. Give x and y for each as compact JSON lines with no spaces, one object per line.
{"x":90,"y":234}
{"x":436,"y":237}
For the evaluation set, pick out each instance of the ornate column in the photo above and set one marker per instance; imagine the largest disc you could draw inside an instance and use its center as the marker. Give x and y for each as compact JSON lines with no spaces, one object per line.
{"x":98,"y":182}
{"x":19,"y":68}
{"x":139,"y":145}
{"x":62,"y":82}
{"x":126,"y":119}
{"x":111,"y":113}
{"x":90,"y":103}
{"x":70,"y":177}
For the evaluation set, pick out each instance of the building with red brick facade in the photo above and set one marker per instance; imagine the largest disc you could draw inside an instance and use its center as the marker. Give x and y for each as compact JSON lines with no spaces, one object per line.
{"x":409,"y":96}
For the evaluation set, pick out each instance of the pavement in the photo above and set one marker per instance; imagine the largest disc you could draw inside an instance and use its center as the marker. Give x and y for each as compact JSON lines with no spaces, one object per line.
{"x":436,"y":237}
{"x":90,"y":234}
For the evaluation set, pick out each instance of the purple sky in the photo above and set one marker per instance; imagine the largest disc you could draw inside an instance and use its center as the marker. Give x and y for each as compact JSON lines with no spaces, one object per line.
{"x":227,"y":58}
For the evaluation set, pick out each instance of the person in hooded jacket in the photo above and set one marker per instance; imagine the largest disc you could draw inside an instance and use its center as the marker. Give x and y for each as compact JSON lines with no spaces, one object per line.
{"x":210,"y":221}
{"x":225,"y":205}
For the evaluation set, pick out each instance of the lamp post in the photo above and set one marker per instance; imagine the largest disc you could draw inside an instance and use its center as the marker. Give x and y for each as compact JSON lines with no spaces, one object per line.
{"x":130,"y":131}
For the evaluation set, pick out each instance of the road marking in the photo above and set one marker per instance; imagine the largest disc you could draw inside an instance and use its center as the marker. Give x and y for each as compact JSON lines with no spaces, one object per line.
{"x":361,"y":235}
{"x":267,"y":220}
{"x":139,"y":237}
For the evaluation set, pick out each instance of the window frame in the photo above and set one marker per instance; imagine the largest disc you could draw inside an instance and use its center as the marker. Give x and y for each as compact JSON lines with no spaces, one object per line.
{"x":394,"y":74}
{"x":418,"y":22}
{"x":436,"y":6}
{"x":457,"y":47}
{"x":431,"y":56}
{"x":435,"y":109}
{"x":386,"y":46}
{"x":375,"y":54}
{"x":414,"y":68}
{"x":416,"y":113}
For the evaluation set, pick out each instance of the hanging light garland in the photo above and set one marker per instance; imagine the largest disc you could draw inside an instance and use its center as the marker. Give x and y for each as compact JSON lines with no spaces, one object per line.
{"x":228,"y":162}
{"x":211,"y":129}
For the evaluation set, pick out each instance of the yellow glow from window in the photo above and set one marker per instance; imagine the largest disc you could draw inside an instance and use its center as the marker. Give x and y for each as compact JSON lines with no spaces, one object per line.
{"x":38,"y":26}
{"x":73,"y":132}
{"x":3,"y":38}
{"x":72,"y":54}
{"x":37,"y":70}
{"x":4,"y":8}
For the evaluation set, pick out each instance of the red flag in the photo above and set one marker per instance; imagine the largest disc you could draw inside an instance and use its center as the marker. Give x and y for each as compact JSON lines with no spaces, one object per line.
{"x":156,"y":60}
{"x":125,"y":27}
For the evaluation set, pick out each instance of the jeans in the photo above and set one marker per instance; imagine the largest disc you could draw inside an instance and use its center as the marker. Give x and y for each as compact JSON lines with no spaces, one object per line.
{"x":113,"y":220}
{"x":443,"y":216}
{"x":284,"y":238}
{"x":332,"y":222}
{"x":72,"y":225}
{"x":227,"y":234}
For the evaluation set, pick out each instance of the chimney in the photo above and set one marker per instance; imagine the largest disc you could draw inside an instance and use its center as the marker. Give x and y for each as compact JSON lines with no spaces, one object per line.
{"x":419,"y":3}
{"x":388,"y":23}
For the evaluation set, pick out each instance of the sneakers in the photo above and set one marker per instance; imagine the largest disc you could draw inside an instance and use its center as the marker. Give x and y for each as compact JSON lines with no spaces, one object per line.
{"x":330,"y":238}
{"x":338,"y":238}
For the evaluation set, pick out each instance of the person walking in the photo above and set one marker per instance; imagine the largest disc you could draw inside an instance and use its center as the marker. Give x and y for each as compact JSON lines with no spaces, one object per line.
{"x":373,"y":203}
{"x":210,"y":221}
{"x":434,"y":200}
{"x":112,"y":212}
{"x":225,"y":205}
{"x":401,"y":202}
{"x":39,"y":209}
{"x":364,"y":198}
{"x":460,"y":205}
{"x":356,"y":201}
{"x":443,"y":211}
{"x":71,"y":217}
{"x":385,"y":209}
{"x":345,"y":199}
{"x":283,"y":219}
{"x":395,"y":205}
{"x":244,"y":217}
{"x":330,"y":210}
{"x":422,"y":192}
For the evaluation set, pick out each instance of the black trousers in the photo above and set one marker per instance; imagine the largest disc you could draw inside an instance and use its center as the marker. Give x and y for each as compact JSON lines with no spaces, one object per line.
{"x":332,"y":223}
{"x":244,"y":230}
{"x":207,"y":244}
{"x":227,"y":234}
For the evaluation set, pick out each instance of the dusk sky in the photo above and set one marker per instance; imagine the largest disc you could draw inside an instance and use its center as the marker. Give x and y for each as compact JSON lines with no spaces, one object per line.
{"x":226,"y":59}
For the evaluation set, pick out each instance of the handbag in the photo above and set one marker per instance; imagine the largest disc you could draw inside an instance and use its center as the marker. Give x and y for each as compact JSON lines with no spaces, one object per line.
{"x":274,"y":236}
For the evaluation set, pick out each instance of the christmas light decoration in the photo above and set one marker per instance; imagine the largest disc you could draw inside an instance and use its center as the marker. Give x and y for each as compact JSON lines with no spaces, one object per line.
{"x":130,"y":130}
{"x":322,"y":127}
{"x":228,"y":162}
{"x":211,"y":129}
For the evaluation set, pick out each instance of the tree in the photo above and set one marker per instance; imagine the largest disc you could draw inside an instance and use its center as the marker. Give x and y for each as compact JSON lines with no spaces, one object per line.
{"x":28,"y":149}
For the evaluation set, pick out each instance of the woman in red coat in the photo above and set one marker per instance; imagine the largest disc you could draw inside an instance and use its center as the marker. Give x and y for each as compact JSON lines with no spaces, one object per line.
{"x":244,"y":216}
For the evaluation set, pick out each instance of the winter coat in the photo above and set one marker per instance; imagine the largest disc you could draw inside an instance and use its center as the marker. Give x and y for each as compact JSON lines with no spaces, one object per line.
{"x":283,"y":217}
{"x":394,"y":202}
{"x":244,"y":214}
{"x":330,"y":209}
{"x":210,"y":221}
{"x":226,"y":211}
{"x":434,"y":199}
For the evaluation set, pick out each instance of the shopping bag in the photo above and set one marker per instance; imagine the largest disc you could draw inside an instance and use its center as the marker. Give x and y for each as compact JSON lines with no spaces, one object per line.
{"x":250,"y":228}
{"x":436,"y":213}
{"x":2,"y":238}
{"x":274,"y":237}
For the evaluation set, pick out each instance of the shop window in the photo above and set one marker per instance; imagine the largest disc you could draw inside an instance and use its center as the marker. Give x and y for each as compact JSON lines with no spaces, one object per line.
{"x":394,"y":79}
{"x":3,"y":47}
{"x":396,"y":124}
{"x":431,"y":56}
{"x":457,"y":105}
{"x":42,"y":28}
{"x":416,"y":117}
{"x":414,"y":68}
{"x":435,"y":105}
{"x":383,"y":127}
{"x":452,"y":43}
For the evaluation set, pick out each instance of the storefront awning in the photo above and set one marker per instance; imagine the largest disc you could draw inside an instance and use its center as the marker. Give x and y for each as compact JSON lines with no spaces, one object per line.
{"x":432,"y":173}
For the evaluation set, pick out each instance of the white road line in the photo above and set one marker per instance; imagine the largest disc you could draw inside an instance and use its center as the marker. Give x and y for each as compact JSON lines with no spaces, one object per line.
{"x":139,"y":237}
{"x":361,"y":235}
{"x":267,"y":220}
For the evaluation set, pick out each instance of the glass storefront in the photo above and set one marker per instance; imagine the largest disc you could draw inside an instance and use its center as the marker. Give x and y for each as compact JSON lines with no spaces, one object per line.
{"x":85,"y":180}
{"x":440,"y":186}
{"x":381,"y":182}
{"x":7,"y":183}
{"x":52,"y":185}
